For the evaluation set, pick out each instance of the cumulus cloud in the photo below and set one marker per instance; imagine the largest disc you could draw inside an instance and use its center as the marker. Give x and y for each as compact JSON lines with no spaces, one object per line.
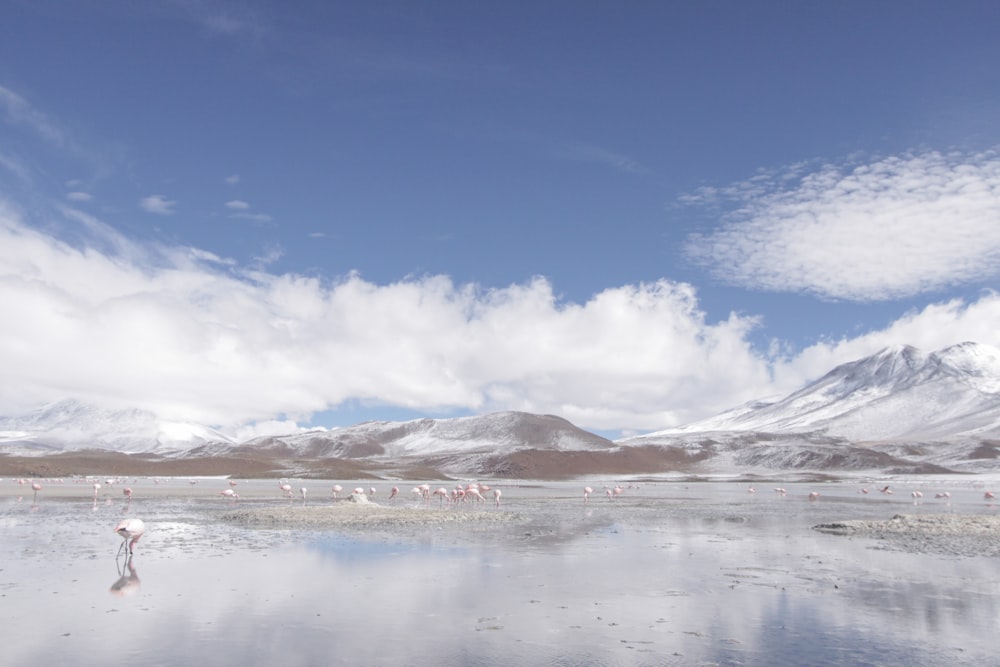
{"x":193,"y":336}
{"x":157,"y":204}
{"x":895,"y":227}
{"x":237,"y":205}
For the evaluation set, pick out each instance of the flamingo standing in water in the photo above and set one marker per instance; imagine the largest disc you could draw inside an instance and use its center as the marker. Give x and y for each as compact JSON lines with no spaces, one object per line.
{"x":337,"y":488}
{"x":814,"y":495}
{"x":130,"y":530}
{"x":36,"y":487}
{"x":989,"y":495}
{"x":229,"y":493}
{"x":286,"y":490}
{"x":496,"y":497}
{"x":127,"y":492}
{"x":393,"y":492}
{"x":303,"y":492}
{"x":586,"y":494}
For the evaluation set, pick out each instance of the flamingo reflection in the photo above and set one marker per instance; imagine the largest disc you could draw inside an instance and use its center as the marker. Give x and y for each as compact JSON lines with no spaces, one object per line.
{"x":128,"y":579}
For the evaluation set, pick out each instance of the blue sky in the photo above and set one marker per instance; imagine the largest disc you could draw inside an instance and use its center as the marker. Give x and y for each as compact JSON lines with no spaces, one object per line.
{"x":633,"y":215}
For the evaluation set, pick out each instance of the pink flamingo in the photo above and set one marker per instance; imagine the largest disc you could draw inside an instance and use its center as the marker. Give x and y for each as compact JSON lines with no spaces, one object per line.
{"x":97,"y":487}
{"x":942,"y":494}
{"x":586,"y":494}
{"x":814,"y":495}
{"x":36,"y":487}
{"x":303,"y":492}
{"x":337,"y":488}
{"x":286,"y":490}
{"x":496,"y":497}
{"x":127,"y":492}
{"x":232,"y":483}
{"x":989,"y":495}
{"x":393,"y":492}
{"x":230,"y":493}
{"x":130,"y":530}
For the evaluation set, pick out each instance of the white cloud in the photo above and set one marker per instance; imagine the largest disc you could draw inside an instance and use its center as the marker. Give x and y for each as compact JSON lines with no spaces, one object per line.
{"x":232,"y":180}
{"x":17,"y":111}
{"x":894,"y":228}
{"x":194,"y":337}
{"x":79,"y":196}
{"x":597,"y":155}
{"x":252,"y":217}
{"x":157,"y":204}
{"x":237,"y":205}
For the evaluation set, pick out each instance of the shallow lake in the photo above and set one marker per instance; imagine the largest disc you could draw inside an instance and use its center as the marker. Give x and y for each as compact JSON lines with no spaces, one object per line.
{"x":668,"y":573}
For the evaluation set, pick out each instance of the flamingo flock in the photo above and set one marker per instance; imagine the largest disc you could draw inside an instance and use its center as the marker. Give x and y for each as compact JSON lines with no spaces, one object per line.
{"x":474,"y":493}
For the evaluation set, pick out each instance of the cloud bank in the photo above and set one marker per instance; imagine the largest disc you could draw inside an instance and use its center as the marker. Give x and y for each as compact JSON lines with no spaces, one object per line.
{"x":897,"y":227}
{"x":192,"y":336}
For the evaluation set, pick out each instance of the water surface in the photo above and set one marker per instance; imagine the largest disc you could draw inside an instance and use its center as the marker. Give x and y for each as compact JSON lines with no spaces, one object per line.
{"x":667,"y":573}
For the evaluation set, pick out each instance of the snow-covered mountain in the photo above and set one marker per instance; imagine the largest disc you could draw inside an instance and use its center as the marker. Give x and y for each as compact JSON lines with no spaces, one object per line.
{"x":501,"y":431}
{"x":72,"y":425}
{"x":900,"y":393}
{"x":901,"y":409}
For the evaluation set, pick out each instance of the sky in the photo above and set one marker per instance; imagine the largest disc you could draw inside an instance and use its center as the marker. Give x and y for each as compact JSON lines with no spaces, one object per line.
{"x":265,"y":216}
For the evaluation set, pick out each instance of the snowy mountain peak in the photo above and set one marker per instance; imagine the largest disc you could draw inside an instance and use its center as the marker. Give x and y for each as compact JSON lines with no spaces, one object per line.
{"x":899,"y":392}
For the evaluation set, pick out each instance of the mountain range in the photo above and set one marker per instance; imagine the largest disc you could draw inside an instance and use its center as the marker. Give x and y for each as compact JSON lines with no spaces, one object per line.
{"x":900,"y":410}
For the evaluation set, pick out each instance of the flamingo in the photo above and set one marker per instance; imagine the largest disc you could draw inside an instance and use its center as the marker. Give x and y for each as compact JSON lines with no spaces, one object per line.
{"x":442,"y":493}
{"x":229,"y":493}
{"x":130,"y":530}
{"x":36,"y":487}
{"x":393,"y":492}
{"x":97,"y":487}
{"x":303,"y":492}
{"x":232,"y":483}
{"x":337,"y":488}
{"x":127,"y":492}
{"x":586,"y":494}
{"x":496,"y":497}
{"x":286,"y":489}
{"x":814,"y":495}
{"x":942,"y":494}
{"x":989,"y":495}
